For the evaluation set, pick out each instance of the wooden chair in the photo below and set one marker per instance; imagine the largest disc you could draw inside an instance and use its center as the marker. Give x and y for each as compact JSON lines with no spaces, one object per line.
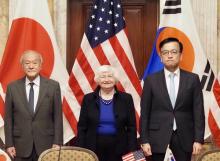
{"x":212,"y":155}
{"x":68,"y":153}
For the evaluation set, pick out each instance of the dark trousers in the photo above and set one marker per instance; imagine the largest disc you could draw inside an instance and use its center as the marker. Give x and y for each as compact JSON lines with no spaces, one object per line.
{"x":178,"y":152}
{"x":32,"y":157}
{"x":105,"y":148}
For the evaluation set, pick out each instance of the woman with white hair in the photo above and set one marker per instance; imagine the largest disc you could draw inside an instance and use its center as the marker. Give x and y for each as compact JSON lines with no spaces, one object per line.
{"x":107,"y":123}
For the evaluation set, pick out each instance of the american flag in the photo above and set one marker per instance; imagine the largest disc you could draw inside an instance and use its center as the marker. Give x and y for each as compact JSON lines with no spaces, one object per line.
{"x":104,"y":42}
{"x":169,"y":155}
{"x":134,"y":156}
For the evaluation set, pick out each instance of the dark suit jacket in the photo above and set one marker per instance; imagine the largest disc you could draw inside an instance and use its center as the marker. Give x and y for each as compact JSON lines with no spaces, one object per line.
{"x":24,"y":128}
{"x":157,"y":113}
{"x":125,"y":121}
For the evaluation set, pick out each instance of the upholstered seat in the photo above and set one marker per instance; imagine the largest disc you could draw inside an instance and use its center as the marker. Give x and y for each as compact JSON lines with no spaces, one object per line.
{"x":213,"y":155}
{"x":68,"y":153}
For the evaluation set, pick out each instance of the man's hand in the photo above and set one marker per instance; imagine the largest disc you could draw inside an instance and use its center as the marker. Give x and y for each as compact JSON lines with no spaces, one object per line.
{"x":55,"y":146}
{"x":197,"y":147}
{"x":147,"y":149}
{"x":11,"y":151}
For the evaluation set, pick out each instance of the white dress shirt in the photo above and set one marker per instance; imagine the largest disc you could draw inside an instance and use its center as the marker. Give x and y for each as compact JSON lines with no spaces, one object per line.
{"x":36,"y":87}
{"x":176,"y":80}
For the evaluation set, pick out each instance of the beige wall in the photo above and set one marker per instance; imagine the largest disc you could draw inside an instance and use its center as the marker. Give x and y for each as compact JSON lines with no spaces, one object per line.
{"x":206,"y":22}
{"x":218,"y":41}
{"x":205,"y":15}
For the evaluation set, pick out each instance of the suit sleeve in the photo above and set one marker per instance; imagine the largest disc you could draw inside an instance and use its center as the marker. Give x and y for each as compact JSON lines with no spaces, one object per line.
{"x":198,"y":111}
{"x":8,"y":118}
{"x":145,"y":111}
{"x":131,"y":125}
{"x":58,"y":117}
{"x":82,"y":124}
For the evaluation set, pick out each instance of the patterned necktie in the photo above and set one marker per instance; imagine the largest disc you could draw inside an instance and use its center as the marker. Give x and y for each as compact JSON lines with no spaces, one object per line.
{"x":172,"y":96}
{"x":31,"y":97}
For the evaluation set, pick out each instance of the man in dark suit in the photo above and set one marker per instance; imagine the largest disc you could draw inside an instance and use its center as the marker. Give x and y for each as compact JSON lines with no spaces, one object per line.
{"x":33,"y":113}
{"x":172,"y":111}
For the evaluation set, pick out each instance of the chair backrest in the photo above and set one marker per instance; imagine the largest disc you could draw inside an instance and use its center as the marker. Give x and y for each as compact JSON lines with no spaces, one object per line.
{"x":212,"y":155}
{"x":68,"y":153}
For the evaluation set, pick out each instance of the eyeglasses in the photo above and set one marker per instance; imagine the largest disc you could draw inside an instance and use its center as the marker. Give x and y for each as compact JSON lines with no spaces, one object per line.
{"x":172,"y":52}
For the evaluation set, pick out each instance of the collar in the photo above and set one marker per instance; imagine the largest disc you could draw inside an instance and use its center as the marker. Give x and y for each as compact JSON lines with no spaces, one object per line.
{"x":167,"y":72}
{"x":36,"y":81}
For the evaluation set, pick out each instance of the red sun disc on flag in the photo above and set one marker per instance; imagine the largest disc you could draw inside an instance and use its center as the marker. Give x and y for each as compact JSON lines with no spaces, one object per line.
{"x":25,"y":34}
{"x":188,"y":57}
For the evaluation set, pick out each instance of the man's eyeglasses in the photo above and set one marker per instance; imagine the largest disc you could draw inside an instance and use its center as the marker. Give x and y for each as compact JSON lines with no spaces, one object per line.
{"x":172,"y":52}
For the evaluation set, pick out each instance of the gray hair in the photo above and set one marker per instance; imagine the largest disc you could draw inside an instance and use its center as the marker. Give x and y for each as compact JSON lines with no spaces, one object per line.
{"x":105,"y":68}
{"x":30,"y":52}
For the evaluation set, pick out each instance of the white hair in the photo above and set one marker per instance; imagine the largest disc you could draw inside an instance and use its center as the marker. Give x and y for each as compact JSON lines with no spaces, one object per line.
{"x":105,"y":68}
{"x":30,"y":52}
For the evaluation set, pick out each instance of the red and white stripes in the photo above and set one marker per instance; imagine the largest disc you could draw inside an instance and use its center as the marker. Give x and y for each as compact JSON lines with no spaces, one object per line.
{"x":114,"y":51}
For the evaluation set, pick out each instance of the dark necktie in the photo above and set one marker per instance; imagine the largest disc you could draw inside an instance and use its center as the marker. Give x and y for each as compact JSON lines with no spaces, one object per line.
{"x":31,"y":97}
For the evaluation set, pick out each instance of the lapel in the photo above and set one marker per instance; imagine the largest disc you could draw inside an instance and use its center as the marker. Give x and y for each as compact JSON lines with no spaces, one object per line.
{"x":96,"y":112}
{"x":42,"y":92}
{"x":23,"y":95}
{"x":116,"y":105}
{"x":163,"y":89}
{"x":182,"y":83}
